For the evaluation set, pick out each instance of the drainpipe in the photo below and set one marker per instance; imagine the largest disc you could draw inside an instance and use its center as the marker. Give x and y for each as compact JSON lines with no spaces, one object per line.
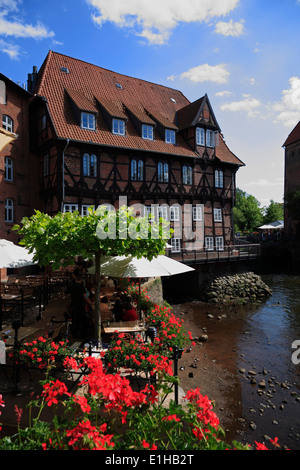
{"x":63,"y":176}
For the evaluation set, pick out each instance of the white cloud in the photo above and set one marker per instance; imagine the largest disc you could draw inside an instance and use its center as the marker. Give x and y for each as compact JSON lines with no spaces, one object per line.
{"x":207,"y":73}
{"x":288,"y":108}
{"x":18,"y":28}
{"x":230,"y":28}
{"x":248,"y":105}
{"x":221,"y":94}
{"x":156,"y":19}
{"x":12,"y":50}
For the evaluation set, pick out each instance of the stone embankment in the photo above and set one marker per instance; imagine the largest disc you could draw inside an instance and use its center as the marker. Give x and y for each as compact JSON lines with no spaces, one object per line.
{"x":239,"y":288}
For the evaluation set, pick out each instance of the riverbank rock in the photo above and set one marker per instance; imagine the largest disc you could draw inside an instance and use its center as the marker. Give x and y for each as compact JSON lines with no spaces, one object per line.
{"x":239,"y":288}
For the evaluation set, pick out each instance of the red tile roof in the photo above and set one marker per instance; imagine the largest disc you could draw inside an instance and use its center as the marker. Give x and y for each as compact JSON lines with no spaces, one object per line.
{"x":294,"y":136}
{"x":90,"y":87}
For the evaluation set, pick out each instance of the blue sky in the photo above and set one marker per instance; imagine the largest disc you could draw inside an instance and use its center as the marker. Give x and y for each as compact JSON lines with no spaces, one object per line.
{"x":243,"y":53}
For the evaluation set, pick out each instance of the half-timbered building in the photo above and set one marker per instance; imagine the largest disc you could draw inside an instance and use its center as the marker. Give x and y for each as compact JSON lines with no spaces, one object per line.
{"x":101,"y":137}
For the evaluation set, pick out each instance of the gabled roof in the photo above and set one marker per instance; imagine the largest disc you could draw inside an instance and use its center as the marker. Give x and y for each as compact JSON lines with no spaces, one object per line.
{"x":293,"y":136}
{"x":224,"y":154}
{"x":191,"y":115}
{"x":63,"y":81}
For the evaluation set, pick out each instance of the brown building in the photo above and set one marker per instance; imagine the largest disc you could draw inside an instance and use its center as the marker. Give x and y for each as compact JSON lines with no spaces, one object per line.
{"x":99,"y":135}
{"x":18,"y":177}
{"x":292,"y":178}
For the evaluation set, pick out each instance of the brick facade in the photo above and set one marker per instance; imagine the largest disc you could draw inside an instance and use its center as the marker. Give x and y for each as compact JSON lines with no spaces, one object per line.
{"x":292,"y":177}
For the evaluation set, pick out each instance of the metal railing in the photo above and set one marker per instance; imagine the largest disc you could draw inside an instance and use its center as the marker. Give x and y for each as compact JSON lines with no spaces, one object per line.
{"x":230,"y":253}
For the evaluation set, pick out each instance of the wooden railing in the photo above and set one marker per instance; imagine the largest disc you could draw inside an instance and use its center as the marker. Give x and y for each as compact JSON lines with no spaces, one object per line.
{"x":230,"y":253}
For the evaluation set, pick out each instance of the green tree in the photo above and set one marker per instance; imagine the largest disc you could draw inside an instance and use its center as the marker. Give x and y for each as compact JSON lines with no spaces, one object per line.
{"x":273,"y":212}
{"x":247,"y":213}
{"x":57,"y":240}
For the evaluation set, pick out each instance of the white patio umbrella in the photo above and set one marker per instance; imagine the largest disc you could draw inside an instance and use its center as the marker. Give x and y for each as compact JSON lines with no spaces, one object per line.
{"x":14,"y":256}
{"x":129,"y":266}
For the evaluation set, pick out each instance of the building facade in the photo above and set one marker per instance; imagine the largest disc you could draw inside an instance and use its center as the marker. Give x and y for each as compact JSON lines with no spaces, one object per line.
{"x":292,"y":179}
{"x":18,"y":176}
{"x":100,"y":137}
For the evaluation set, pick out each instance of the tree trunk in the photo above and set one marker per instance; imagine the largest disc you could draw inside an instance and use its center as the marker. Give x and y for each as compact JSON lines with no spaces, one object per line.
{"x":97,"y":297}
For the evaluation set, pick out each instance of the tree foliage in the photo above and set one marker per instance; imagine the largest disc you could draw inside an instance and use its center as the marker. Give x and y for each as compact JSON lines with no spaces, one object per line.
{"x":247,"y":213}
{"x":59,"y":239}
{"x":273,"y":212}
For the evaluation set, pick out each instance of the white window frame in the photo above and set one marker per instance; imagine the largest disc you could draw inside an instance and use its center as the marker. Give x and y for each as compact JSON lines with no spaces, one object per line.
{"x":9,"y":210}
{"x":218,"y":215}
{"x":200,"y":136}
{"x":84,"y":209}
{"x":88,"y":121}
{"x":174,"y":214}
{"x":170,"y":136}
{"x":210,"y":138}
{"x":147,"y":132}
{"x":9,"y":169}
{"x":219,"y":243}
{"x":209,"y":243}
{"x":7,"y":123}
{"x":70,"y":208}
{"x":118,"y":126}
{"x":197,"y":213}
{"x":175,"y":245}
{"x":148,"y":212}
{"x":162,"y":211}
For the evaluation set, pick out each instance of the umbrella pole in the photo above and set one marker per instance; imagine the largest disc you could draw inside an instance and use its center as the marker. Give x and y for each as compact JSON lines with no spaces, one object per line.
{"x":140,"y":298}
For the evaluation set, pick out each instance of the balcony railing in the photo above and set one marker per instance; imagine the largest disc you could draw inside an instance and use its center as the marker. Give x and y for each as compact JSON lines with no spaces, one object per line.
{"x":230,"y":253}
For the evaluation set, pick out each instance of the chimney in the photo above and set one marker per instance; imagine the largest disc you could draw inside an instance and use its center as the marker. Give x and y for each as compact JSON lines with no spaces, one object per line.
{"x":32,"y":79}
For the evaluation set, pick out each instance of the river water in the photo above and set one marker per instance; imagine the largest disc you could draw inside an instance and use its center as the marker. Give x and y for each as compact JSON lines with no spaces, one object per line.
{"x":264,"y":346}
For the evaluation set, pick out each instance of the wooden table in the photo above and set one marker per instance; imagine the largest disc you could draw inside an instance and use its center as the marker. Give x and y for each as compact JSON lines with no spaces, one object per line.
{"x":124,"y":327}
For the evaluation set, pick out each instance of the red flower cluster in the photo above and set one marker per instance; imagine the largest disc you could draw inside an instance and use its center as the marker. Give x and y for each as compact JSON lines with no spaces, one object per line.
{"x":205,"y":413}
{"x":87,"y":437}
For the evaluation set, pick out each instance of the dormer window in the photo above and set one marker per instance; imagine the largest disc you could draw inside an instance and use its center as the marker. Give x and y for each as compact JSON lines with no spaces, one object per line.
{"x":170,"y":137}
{"x":205,"y":137}
{"x":147,"y":132}
{"x":200,"y":136}
{"x":210,"y":138}
{"x":118,"y":126}
{"x":88,"y":121}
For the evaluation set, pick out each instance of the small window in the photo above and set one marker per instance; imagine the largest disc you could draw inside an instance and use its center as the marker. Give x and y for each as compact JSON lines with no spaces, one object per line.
{"x":210,"y":138}
{"x":8,"y":169}
{"x":7,"y":123}
{"x":137,"y":170}
{"x":148,"y":212}
{"x":162,"y":212}
{"x":174,"y":213}
{"x":170,"y":136}
{"x":187,"y":174}
{"x":219,"y":243}
{"x":88,"y":121}
{"x":9,"y":210}
{"x":175,"y":245}
{"x":84,"y":209}
{"x":118,"y":127}
{"x":147,"y":132}
{"x":219,"y":179}
{"x":209,"y":243}
{"x":163,"y":172}
{"x":46,"y":164}
{"x":200,"y":136}
{"x":70,"y":207}
{"x":197,"y":213}
{"x":89,"y":165}
{"x":218,"y":215}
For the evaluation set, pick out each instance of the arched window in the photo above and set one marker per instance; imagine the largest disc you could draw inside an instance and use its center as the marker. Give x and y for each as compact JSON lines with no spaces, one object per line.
{"x":137,"y":170}
{"x":7,"y":123}
{"x":9,"y":169}
{"x":89,"y":165}
{"x":9,"y":210}
{"x":163,"y":172}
